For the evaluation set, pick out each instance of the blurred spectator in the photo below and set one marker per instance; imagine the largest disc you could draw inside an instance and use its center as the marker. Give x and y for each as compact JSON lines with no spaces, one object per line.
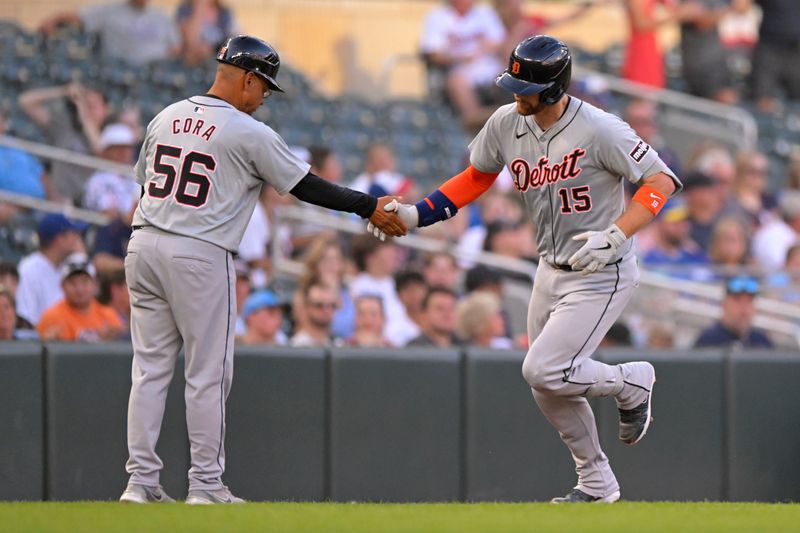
{"x":253,"y":248}
{"x":773,"y":239}
{"x":483,"y":278}
{"x":380,"y":176}
{"x":411,"y":289}
{"x":325,"y":164}
{"x":114,"y":294}
{"x":114,"y":194}
{"x":644,"y":62}
{"x":40,"y":277}
{"x":641,"y":115}
{"x":705,"y":60}
{"x":440,"y":270}
{"x":480,"y":322}
{"x":20,"y":173}
{"x":377,"y":262}
{"x":10,"y":328}
{"x":79,"y":316}
{"x":243,"y":287}
{"x":324,"y":262}
{"x":9,"y":278}
{"x":672,"y":244}
{"x":464,"y":39}
{"x":660,"y":337}
{"x":510,"y":239}
{"x":793,"y":178}
{"x":750,"y":194}
{"x":263,"y":316}
{"x":111,"y":245}
{"x":618,"y":335}
{"x":439,"y":319}
{"x":736,"y":323}
{"x":729,"y":249}
{"x":519,"y":25}
{"x":129,"y":30}
{"x":71,"y":117}
{"x":715,"y":161}
{"x":777,"y":54}
{"x":370,"y":320}
{"x":204,"y":25}
{"x":738,"y":30}
{"x":705,"y":205}
{"x":320,"y":302}
{"x":785,"y":284}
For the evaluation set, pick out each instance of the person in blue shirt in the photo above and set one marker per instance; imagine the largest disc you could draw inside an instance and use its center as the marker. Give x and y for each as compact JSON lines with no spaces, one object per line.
{"x":735,"y":326}
{"x":20,"y":172}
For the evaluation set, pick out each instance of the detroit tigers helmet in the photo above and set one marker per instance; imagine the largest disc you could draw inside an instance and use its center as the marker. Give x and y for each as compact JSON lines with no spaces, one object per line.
{"x":539,"y":64}
{"x":254,"y":55}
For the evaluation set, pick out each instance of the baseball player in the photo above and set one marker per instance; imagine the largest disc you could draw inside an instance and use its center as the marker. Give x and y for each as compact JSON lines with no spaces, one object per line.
{"x":568,"y":159}
{"x":201,"y":167}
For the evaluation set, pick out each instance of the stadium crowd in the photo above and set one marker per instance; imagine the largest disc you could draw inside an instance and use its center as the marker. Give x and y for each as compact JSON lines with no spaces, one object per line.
{"x":728,"y":226}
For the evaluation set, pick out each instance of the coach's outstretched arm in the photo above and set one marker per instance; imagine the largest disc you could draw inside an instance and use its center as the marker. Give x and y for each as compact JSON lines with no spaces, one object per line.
{"x":315,"y":190}
{"x":602,"y":246}
{"x":444,"y":202}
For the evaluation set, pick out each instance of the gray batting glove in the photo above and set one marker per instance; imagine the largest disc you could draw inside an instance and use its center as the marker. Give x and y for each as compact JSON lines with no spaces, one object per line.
{"x":408,"y":214}
{"x":600,"y":248}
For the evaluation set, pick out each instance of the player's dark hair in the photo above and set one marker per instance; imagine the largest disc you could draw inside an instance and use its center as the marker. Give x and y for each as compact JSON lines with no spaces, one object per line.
{"x":433,"y":291}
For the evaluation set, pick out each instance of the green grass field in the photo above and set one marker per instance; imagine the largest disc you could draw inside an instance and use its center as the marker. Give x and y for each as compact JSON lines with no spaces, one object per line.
{"x":386,"y":518}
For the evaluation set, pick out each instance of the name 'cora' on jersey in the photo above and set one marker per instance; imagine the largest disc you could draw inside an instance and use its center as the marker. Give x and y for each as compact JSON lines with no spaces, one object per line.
{"x":543,"y":173}
{"x":193,"y":126}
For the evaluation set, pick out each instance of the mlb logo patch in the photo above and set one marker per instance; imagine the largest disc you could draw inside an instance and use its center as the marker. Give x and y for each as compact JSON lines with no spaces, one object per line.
{"x":199,"y":109}
{"x":639,"y":151}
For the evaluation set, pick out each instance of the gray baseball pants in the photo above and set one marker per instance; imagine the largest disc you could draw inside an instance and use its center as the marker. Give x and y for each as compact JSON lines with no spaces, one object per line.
{"x":181,"y":292}
{"x":569,"y":315}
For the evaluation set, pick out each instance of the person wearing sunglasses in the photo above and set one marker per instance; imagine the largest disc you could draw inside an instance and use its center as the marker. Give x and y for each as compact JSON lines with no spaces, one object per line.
{"x":735,"y":326}
{"x":321,"y":302}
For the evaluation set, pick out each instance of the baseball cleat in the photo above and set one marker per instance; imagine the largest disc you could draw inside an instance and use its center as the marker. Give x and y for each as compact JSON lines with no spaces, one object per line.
{"x":578,"y":496}
{"x":633,"y":423}
{"x":144,"y":494}
{"x":210,"y":497}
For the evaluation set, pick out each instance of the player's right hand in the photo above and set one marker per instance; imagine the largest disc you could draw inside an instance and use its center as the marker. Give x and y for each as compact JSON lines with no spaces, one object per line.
{"x":384,"y":221}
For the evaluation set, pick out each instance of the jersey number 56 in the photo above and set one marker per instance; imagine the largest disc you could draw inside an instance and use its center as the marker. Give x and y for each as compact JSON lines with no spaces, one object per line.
{"x":193,"y":188}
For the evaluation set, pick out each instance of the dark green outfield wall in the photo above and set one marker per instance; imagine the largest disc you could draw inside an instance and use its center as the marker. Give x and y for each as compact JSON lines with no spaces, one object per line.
{"x":401,"y":425}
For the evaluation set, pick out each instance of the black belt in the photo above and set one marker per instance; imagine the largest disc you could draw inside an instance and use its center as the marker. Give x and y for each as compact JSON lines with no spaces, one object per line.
{"x":134,"y":228}
{"x":569,"y":268}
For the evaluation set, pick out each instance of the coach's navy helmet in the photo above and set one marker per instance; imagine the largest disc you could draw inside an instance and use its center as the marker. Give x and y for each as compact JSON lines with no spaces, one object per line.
{"x":254,"y":55}
{"x":539,"y":64}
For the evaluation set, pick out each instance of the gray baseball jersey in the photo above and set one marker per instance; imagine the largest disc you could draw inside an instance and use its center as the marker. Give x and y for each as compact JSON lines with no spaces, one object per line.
{"x":202,"y":165}
{"x":570,"y":176}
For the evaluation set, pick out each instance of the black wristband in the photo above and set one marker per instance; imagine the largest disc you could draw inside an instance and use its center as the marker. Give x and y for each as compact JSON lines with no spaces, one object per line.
{"x":317,"y":191}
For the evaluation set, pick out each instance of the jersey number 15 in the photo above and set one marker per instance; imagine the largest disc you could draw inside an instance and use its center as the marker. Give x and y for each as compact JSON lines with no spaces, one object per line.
{"x":197,"y":195}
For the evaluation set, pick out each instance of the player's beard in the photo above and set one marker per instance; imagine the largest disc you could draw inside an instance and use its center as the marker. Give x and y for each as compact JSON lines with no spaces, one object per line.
{"x":525,"y":109}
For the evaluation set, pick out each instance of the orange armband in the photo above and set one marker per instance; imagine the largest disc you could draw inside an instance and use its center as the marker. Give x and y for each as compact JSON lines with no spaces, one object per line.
{"x":651,"y":198}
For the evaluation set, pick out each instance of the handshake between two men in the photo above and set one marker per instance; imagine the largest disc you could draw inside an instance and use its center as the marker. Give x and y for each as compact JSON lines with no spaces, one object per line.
{"x":392,"y":218}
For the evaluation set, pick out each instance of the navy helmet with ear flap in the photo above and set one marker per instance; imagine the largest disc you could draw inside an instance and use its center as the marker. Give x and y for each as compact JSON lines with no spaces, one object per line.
{"x":539,"y":64}
{"x":253,"y":55}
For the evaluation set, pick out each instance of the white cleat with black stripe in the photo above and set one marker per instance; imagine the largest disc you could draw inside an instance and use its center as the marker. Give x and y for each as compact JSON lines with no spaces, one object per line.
{"x":633,"y":423}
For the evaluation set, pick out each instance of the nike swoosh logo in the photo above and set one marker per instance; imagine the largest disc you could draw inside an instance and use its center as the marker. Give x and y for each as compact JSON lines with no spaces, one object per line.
{"x":606,"y":247}
{"x":654,"y":196}
{"x":521,"y":134}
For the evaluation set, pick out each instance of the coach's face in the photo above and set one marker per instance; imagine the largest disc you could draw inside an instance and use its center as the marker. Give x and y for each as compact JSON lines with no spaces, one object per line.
{"x":528,"y":105}
{"x":254,"y":92}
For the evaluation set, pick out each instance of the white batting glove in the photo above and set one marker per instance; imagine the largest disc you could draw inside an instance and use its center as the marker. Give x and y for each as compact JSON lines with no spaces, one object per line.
{"x":600,"y":248}
{"x":407,"y":213}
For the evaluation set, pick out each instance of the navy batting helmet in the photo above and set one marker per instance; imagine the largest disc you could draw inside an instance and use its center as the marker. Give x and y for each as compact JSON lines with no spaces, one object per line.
{"x":539,"y":64}
{"x":254,"y":55}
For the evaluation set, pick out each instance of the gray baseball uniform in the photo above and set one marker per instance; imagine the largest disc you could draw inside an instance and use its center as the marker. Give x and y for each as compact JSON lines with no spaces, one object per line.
{"x":202,"y":167}
{"x":570,"y":177}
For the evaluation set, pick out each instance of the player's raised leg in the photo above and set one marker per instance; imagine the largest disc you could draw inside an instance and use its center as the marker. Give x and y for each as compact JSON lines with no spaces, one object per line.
{"x":156,"y":342}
